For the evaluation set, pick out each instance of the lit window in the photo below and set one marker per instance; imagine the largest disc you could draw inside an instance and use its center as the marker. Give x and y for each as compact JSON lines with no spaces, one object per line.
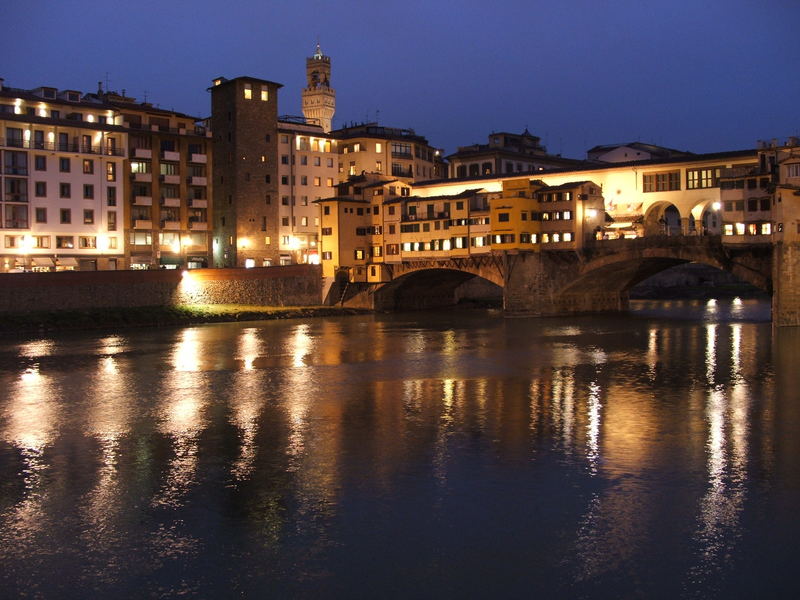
{"x":248,"y":91}
{"x":378,"y":147}
{"x":739,"y":228}
{"x":728,"y":229}
{"x":264,"y":93}
{"x":766,"y":229}
{"x":568,"y":237}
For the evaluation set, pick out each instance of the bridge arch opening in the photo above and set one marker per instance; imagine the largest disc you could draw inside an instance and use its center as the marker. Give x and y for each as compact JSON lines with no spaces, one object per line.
{"x":437,"y":288}
{"x":706,"y":215}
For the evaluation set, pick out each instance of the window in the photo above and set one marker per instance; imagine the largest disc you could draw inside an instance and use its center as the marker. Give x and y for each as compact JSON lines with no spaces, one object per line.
{"x":317,"y":181}
{"x":40,"y":163}
{"x":88,"y":166}
{"x":502,"y":217}
{"x":303,"y":180}
{"x":326,"y":210}
{"x":88,"y":191}
{"x":358,"y":254}
{"x":329,"y":182}
{"x":112,"y":220}
{"x":248,"y":91}
{"x":329,"y":162}
{"x":284,"y":180}
{"x":702,"y":178}
{"x":793,"y":170}
{"x":40,"y":189}
{"x":284,"y":159}
{"x":378,"y":147}
{"x":41,"y":241}
{"x":317,"y":161}
{"x":264,"y":93}
{"x":327,"y":256}
{"x":65,"y":241}
{"x":88,"y":216}
{"x":41,"y":215}
{"x":87,"y":241}
{"x":284,"y":139}
{"x":661,"y":182}
{"x":111,"y":196}
{"x":63,"y":165}
{"x":64,"y":190}
{"x":285,"y":221}
{"x":111,"y":171}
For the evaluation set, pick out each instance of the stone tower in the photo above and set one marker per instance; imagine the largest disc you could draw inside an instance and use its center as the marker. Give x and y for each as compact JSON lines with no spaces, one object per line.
{"x":319,"y":98}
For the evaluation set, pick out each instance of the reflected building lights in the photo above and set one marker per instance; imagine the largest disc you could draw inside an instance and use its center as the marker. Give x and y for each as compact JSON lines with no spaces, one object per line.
{"x":593,"y":429}
{"x":186,"y":356}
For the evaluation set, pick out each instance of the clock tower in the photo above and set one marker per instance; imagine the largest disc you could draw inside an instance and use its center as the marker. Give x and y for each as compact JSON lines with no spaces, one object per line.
{"x":319,"y":98}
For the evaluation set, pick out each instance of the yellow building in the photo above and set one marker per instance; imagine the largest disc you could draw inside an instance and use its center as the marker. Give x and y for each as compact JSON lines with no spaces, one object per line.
{"x":530,"y":215}
{"x":374,"y":222}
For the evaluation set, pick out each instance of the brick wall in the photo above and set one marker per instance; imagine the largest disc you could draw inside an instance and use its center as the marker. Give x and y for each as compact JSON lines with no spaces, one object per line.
{"x":295,"y":285}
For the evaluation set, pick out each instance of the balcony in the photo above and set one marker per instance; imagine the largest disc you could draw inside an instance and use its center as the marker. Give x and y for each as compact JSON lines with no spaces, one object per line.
{"x":198,"y":226}
{"x":171,"y":155}
{"x":142,"y":153}
{"x":170,"y":225}
{"x":142,"y":201}
{"x":142,"y":177}
{"x":198,"y":158}
{"x":194,"y":180}
{"x":405,"y":155}
{"x":142,"y":224}
{"x":198,"y":202}
{"x":170,"y":202}
{"x":11,"y":170}
{"x":174,"y":179}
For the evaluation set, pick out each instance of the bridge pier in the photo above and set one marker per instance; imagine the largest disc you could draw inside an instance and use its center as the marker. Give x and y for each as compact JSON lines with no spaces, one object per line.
{"x":786,"y":284}
{"x":535,"y":284}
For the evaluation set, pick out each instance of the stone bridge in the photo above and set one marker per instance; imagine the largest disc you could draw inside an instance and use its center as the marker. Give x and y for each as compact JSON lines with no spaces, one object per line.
{"x":594,"y":279}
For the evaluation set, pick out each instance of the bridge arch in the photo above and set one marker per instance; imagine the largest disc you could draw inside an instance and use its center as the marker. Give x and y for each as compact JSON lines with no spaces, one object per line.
{"x":620,"y":270}
{"x":662,"y":218}
{"x":436,"y":286}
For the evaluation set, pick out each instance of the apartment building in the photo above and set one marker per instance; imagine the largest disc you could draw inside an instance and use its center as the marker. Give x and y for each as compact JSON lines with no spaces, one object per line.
{"x":759,"y":202}
{"x":62,"y":182}
{"x":505,"y":153}
{"x":400,"y":153}
{"x":167,"y":191}
{"x":307,"y":170}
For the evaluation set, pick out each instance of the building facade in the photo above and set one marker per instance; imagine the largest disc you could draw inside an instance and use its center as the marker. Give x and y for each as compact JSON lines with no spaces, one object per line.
{"x":244,"y":118}
{"x":399,"y":153}
{"x":167,"y":194}
{"x":505,"y":154}
{"x":62,"y":181}
{"x":307,"y":170}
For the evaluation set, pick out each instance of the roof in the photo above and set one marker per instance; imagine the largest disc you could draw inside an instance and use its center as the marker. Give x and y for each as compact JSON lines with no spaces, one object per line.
{"x":225,"y":81}
{"x":465,"y":194}
{"x":652,"y":148}
{"x":340,"y":199}
{"x":379,"y":183}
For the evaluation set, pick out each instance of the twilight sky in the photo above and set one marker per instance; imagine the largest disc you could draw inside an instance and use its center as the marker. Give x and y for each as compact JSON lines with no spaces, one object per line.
{"x":700,"y":75}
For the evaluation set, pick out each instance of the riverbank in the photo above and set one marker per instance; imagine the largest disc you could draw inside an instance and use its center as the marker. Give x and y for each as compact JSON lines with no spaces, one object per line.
{"x":158,"y":316}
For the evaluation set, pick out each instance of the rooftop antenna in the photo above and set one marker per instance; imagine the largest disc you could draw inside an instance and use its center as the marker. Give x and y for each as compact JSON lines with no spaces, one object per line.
{"x":145,"y":96}
{"x":377,"y":116}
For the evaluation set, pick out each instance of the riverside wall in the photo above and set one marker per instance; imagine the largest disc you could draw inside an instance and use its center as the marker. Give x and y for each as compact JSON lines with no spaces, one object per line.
{"x":293,"y":285}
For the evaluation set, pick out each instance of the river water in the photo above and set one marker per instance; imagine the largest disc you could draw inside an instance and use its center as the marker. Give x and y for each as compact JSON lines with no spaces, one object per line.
{"x":436,"y":454}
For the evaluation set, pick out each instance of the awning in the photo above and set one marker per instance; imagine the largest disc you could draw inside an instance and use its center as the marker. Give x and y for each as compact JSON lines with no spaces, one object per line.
{"x":42,"y":261}
{"x":67,"y":262}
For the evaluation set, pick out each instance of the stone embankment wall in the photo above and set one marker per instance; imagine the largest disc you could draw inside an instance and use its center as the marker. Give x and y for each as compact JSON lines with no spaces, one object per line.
{"x":294,"y":285}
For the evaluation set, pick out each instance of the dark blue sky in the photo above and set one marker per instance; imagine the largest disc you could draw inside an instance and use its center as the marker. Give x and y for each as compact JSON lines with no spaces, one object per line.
{"x":697,"y":75}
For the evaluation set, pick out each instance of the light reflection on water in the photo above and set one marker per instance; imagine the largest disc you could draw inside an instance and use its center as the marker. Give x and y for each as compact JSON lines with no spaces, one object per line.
{"x":620,"y":456}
